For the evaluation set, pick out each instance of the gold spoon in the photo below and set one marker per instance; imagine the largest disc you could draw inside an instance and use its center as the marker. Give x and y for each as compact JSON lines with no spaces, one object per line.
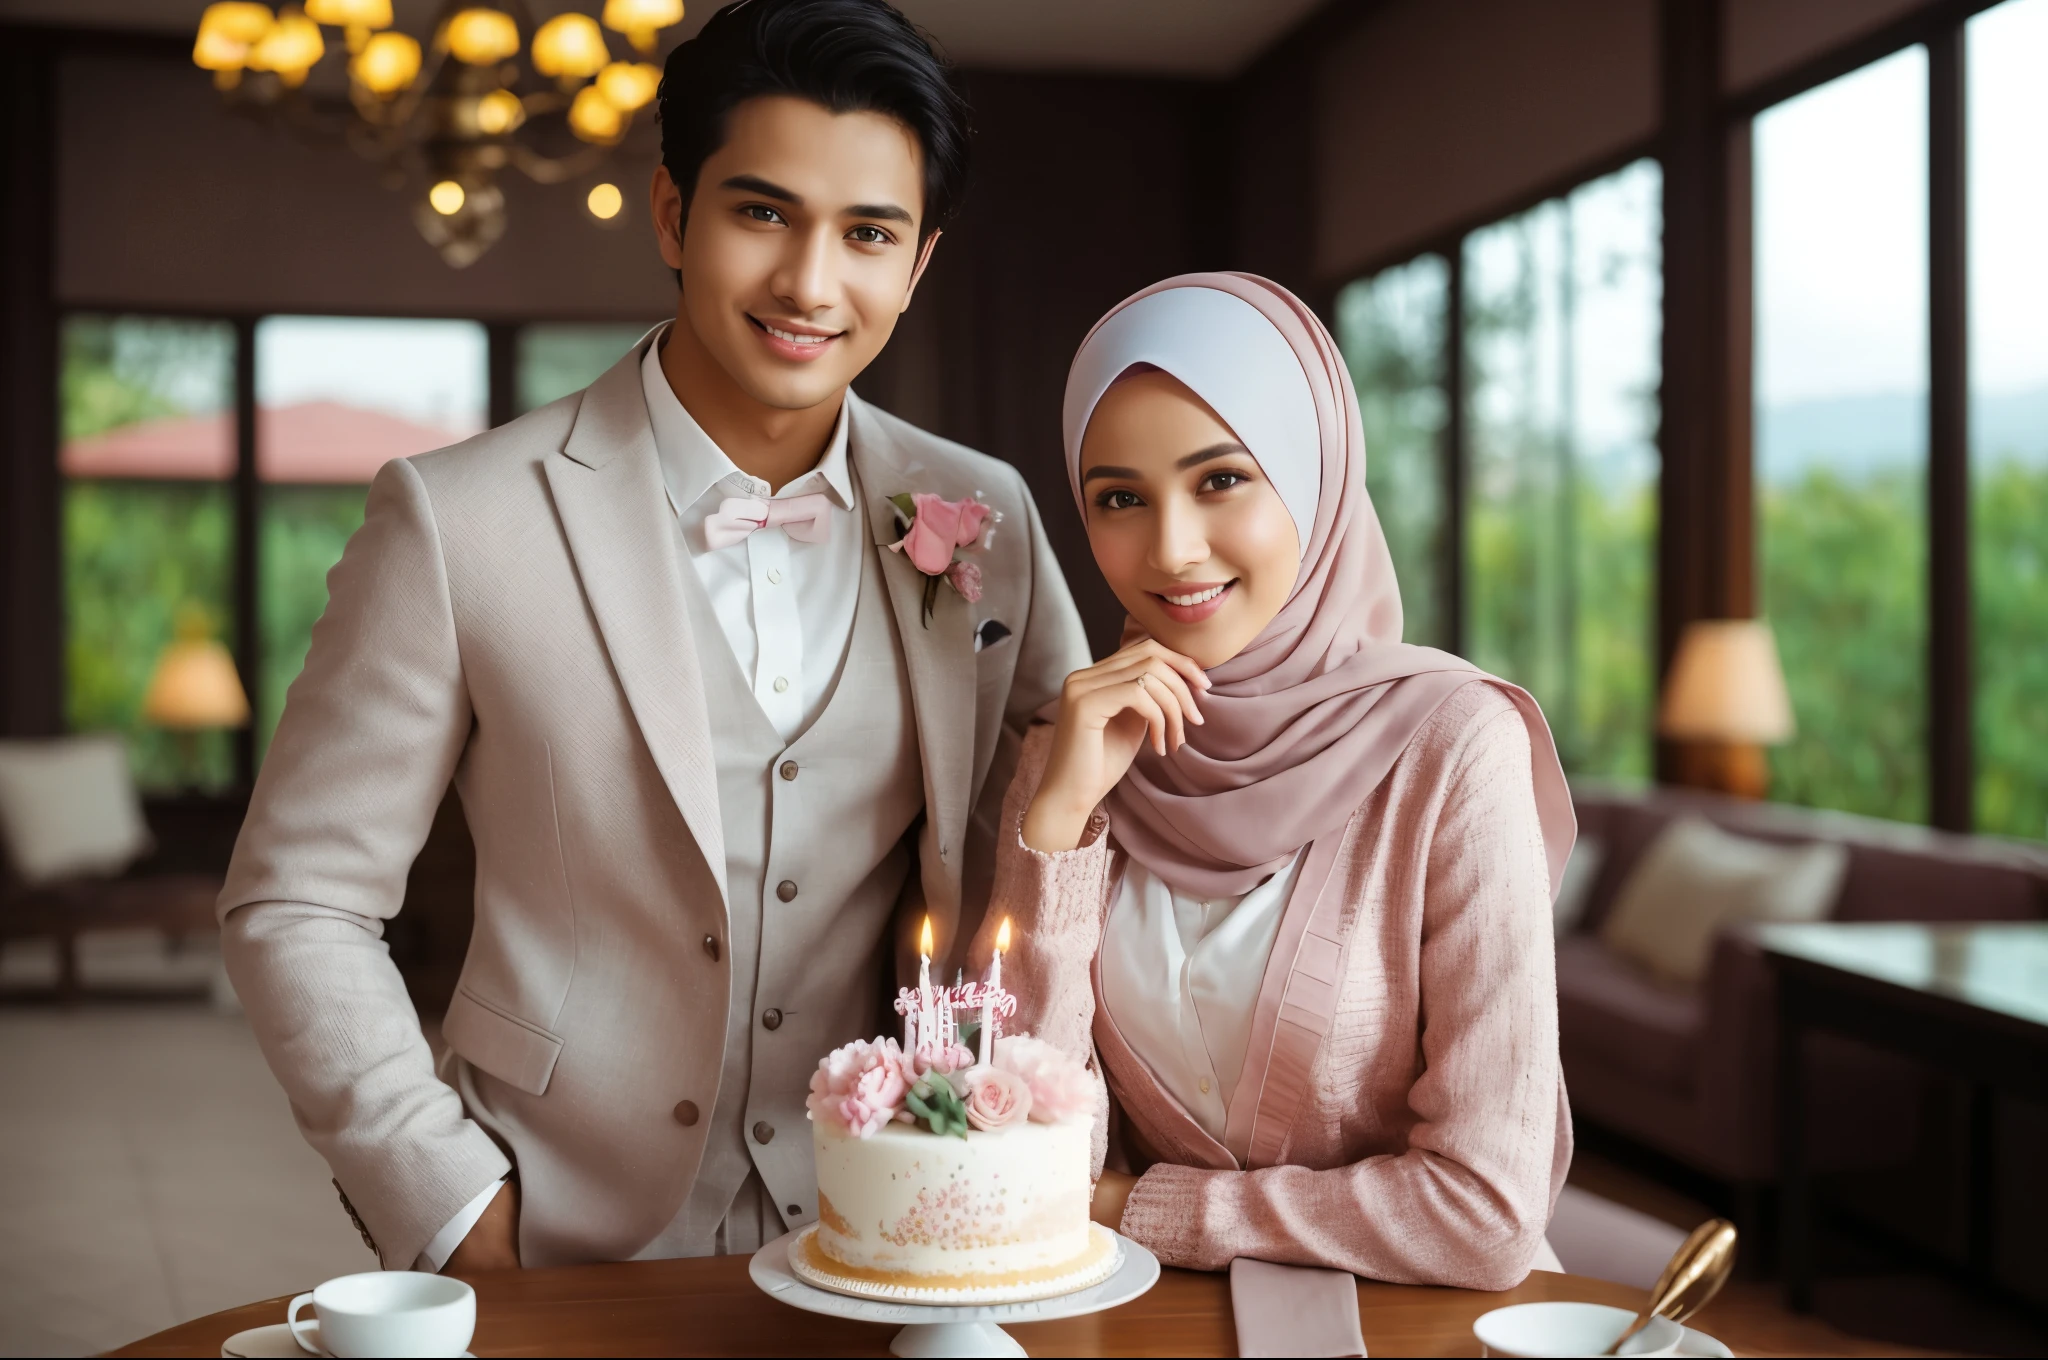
{"x":1696,"y":1272}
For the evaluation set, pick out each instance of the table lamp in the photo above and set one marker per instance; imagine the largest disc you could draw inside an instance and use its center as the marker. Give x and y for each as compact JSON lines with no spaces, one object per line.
{"x":194,"y":688}
{"x":1724,"y":701}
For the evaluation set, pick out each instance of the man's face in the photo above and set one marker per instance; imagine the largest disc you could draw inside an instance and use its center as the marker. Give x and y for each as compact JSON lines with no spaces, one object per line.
{"x":800,"y":248}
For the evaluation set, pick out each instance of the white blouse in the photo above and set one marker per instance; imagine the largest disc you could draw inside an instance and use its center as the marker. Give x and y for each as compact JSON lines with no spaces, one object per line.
{"x":1181,"y":975}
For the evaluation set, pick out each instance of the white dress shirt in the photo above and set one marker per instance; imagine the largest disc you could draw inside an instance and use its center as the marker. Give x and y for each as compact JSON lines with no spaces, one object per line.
{"x":1181,"y":977}
{"x":784,"y":606}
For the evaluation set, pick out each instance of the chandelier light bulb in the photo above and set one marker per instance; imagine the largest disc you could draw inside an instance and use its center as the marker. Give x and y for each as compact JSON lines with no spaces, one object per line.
{"x":640,"y":19}
{"x":596,"y":119}
{"x":447,"y":197}
{"x":569,"y":46}
{"x":480,"y":36}
{"x":499,"y":112}
{"x":369,"y":14}
{"x":629,"y":85}
{"x":605,"y":201}
{"x":227,"y":32}
{"x":290,"y":48}
{"x":387,"y":63}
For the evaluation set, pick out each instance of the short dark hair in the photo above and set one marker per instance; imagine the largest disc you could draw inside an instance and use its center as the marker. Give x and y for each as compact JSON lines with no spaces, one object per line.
{"x":848,"y":55}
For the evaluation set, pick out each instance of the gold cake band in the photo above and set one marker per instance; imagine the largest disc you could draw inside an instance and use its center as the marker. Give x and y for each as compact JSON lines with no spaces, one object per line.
{"x":814,"y":1265}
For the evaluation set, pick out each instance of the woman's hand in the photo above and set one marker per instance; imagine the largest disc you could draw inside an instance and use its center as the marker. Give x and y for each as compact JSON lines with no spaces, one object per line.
{"x":1142,"y":693}
{"x":1112,"y":1192}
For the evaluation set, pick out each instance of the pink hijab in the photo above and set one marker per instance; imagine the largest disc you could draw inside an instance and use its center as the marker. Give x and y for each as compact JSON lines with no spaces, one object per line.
{"x":1305,"y":722}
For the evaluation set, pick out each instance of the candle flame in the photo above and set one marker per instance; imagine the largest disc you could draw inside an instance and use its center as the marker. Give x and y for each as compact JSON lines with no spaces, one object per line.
{"x":924,"y":938}
{"x":1003,"y":937}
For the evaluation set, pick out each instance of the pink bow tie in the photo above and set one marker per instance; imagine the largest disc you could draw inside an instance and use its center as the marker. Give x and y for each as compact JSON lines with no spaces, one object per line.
{"x":804,"y":518}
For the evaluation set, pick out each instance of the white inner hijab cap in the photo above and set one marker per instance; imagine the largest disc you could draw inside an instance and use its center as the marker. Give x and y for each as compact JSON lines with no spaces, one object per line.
{"x":1226,"y":352}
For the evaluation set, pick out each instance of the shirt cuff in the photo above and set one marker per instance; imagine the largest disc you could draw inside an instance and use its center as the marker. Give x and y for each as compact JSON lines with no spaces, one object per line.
{"x":455,"y":1229}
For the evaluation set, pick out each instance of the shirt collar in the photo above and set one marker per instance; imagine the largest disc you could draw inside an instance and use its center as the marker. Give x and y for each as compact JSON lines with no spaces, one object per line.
{"x":692,"y":465}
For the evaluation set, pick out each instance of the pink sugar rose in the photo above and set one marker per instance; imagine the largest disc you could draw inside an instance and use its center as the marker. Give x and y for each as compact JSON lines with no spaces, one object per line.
{"x":947,"y":1061}
{"x":1061,"y":1088}
{"x":860,"y":1086}
{"x":966,"y":578}
{"x":938,"y":527}
{"x":996,"y":1099}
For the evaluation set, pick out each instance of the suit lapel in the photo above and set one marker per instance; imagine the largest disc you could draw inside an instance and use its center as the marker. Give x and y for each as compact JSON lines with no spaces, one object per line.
{"x":939,"y":657}
{"x":606,"y":483}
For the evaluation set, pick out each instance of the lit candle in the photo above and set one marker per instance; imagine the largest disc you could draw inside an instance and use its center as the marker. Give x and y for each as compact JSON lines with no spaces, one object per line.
{"x":925,"y":1031}
{"x":988,"y":995}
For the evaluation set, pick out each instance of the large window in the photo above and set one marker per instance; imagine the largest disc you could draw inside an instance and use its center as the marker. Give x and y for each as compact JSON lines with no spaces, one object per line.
{"x":2007,"y":121}
{"x":337,"y":398}
{"x":1391,"y":329}
{"x":1841,"y":432}
{"x":1562,"y":308}
{"x":147,"y":411}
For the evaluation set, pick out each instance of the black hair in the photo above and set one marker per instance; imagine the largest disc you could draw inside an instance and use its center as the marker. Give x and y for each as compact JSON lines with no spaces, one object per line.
{"x":848,"y":55}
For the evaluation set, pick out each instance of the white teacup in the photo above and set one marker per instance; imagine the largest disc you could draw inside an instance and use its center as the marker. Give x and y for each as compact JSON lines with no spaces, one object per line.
{"x":1531,"y":1329}
{"x":387,"y":1312}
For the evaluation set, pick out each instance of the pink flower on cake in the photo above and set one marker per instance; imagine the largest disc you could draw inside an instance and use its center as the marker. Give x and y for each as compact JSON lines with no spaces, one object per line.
{"x":1060,"y":1087}
{"x":937,"y":526}
{"x":860,"y":1086}
{"x":946,"y":1061}
{"x":996,"y":1099}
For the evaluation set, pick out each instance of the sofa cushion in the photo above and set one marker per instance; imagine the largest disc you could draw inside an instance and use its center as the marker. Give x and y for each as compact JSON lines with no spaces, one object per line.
{"x":1615,"y":1014}
{"x":68,"y":808}
{"x":1697,"y":878}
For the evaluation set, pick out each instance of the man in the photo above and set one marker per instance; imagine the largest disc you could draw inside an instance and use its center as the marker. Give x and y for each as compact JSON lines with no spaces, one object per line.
{"x":717,"y":743}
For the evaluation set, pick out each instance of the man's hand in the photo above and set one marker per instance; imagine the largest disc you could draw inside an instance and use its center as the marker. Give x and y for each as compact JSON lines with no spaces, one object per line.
{"x":493,"y":1244}
{"x":1112,"y":1192}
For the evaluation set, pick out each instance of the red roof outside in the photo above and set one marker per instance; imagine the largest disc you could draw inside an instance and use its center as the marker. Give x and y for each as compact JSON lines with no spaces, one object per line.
{"x":314,"y":441}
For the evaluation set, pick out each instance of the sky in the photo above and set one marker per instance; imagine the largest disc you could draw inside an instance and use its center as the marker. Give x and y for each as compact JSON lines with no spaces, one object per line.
{"x":434,"y":372}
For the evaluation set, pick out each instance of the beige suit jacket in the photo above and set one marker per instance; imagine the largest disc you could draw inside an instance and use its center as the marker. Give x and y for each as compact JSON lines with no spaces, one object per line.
{"x":511,"y":615}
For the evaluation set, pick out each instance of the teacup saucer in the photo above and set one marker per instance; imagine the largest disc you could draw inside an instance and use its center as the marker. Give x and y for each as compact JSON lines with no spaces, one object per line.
{"x":275,"y":1343}
{"x":1692,"y":1342}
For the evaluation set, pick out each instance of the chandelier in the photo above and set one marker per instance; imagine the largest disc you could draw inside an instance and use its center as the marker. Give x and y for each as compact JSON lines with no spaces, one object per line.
{"x":445,"y":117}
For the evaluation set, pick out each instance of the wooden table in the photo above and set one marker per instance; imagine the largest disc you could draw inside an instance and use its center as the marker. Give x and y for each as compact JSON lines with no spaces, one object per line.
{"x":708,"y":1306}
{"x":1971,"y":1000}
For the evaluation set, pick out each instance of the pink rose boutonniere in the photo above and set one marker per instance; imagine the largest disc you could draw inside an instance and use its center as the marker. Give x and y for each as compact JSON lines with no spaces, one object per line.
{"x":938,"y":529}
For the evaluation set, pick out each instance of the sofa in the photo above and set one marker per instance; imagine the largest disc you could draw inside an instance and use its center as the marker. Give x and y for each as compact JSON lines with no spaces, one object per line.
{"x":1689,"y":1073}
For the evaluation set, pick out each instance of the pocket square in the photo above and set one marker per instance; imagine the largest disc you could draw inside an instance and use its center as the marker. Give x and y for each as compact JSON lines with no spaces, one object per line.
{"x":989,"y":634}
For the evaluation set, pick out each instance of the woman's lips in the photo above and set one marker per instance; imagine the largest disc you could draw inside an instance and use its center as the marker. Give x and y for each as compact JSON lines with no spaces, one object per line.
{"x":1207,"y":599}
{"x":786,"y":342}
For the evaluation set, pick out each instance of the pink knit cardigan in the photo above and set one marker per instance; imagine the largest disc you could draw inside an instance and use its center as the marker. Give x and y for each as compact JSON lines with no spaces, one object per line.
{"x":1427,"y":1138}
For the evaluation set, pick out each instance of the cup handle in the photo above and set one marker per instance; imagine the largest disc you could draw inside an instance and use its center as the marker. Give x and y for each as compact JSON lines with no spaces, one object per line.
{"x":291,"y":1318}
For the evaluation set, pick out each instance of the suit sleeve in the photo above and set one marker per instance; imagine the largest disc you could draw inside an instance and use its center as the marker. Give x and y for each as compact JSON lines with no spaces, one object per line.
{"x":371,"y":734}
{"x":1053,"y":645}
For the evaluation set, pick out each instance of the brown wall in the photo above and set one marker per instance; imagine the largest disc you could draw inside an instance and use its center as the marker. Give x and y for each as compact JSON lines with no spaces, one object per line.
{"x":1761,"y":39}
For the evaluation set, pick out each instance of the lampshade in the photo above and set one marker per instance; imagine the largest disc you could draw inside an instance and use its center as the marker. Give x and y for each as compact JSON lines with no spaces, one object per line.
{"x":479,"y":36}
{"x":387,"y":63}
{"x":290,"y":48}
{"x":1726,"y":685}
{"x":499,"y":112}
{"x":639,"y":19}
{"x":595,"y":118}
{"x":195,"y":686}
{"x":628,"y":85}
{"x":350,"y":13}
{"x":569,"y":45}
{"x":227,"y":31}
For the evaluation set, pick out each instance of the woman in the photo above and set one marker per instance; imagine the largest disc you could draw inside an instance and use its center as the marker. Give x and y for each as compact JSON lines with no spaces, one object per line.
{"x":1290,"y":878}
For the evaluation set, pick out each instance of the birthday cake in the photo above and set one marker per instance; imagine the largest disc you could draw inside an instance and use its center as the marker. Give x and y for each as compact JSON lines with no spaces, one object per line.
{"x":953,"y":1166}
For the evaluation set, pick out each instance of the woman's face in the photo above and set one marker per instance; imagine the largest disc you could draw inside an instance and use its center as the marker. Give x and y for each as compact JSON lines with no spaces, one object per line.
{"x":1192,"y":537}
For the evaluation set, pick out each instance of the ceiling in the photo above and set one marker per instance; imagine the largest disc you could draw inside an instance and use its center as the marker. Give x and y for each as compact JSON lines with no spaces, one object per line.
{"x":1160,"y":37}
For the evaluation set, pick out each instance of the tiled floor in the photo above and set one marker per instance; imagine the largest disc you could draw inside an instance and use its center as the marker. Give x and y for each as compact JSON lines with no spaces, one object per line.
{"x":150,"y":1172}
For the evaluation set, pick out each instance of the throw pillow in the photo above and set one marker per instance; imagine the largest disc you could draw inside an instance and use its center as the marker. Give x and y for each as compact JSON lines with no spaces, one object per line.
{"x":1588,"y":854}
{"x":1696,"y":878}
{"x":69,"y":808}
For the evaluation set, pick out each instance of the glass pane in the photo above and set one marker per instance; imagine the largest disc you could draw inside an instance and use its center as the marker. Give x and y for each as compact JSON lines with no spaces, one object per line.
{"x":148,"y":448}
{"x":337,"y":398}
{"x":557,"y":360}
{"x":2008,"y":122}
{"x":1391,"y":329}
{"x":1841,"y":432}
{"x":1563,"y":310}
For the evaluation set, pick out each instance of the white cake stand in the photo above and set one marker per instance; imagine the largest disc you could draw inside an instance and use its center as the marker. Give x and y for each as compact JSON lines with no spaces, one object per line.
{"x":929,"y":1330}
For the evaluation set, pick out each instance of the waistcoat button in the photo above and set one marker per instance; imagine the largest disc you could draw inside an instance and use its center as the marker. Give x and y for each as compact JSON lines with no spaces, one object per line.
{"x":686,"y":1112}
{"x":786,"y":890}
{"x":711,"y":947}
{"x":789,"y":769}
{"x":771,"y":1019}
{"x":764,"y":1131}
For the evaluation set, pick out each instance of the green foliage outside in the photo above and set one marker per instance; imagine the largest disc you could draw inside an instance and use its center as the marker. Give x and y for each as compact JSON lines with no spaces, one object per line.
{"x":304,"y":530}
{"x":557,"y":360}
{"x":2009,"y":561}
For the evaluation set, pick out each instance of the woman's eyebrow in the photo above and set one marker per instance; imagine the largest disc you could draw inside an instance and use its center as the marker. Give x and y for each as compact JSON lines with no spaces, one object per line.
{"x":1223,"y":450}
{"x":1101,"y":471}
